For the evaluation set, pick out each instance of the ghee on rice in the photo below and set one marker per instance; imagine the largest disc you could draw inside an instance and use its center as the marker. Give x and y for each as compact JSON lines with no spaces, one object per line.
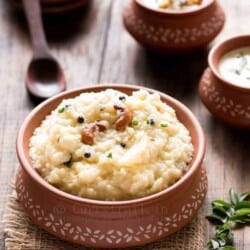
{"x":151,"y":153}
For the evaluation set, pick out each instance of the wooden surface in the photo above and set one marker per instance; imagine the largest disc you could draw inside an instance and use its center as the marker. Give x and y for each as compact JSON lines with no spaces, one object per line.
{"x":93,"y":48}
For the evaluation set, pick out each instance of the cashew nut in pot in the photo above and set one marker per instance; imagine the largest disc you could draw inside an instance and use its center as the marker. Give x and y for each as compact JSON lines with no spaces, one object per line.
{"x":87,"y":134}
{"x":124,"y":119}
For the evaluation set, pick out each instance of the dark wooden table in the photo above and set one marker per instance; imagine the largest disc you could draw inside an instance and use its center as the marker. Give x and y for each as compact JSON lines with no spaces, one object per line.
{"x":94,"y":48}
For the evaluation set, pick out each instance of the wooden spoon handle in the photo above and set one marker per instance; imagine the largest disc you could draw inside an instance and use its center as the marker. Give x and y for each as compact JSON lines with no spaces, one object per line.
{"x":33,"y":14}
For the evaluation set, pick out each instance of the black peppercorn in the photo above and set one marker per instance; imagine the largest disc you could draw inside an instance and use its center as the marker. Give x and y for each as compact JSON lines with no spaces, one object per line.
{"x":122,"y":98}
{"x":80,"y":119}
{"x":87,"y":155}
{"x":151,"y":122}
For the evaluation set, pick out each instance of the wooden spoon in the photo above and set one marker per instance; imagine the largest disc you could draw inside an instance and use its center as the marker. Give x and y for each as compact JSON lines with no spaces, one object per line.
{"x":44,"y":77}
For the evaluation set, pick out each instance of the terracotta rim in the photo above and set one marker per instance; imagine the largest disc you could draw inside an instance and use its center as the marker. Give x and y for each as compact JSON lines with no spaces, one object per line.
{"x":38,"y":179}
{"x":216,"y":49}
{"x":203,"y":6}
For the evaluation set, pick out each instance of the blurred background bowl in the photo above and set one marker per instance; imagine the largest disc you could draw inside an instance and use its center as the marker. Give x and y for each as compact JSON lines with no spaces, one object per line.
{"x":171,"y":31}
{"x":227,"y":101}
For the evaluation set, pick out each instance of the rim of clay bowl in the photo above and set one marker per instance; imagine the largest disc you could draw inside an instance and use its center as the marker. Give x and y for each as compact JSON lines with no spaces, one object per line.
{"x":221,"y":49}
{"x":203,"y":6}
{"x":25,"y":164}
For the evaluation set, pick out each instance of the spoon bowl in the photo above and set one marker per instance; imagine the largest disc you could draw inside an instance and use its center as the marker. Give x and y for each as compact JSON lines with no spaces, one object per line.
{"x":45,"y":78}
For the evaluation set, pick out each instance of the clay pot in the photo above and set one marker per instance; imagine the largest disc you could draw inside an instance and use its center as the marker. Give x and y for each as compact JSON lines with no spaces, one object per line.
{"x":227,"y":101}
{"x":110,"y":224}
{"x":173,"y":31}
{"x":55,"y":6}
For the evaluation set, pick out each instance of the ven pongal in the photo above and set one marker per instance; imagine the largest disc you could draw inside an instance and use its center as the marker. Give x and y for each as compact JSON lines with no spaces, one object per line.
{"x":111,"y":146}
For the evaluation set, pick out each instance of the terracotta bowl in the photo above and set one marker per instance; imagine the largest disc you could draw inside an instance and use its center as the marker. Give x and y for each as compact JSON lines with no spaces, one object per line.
{"x":227,"y":101}
{"x":173,"y":31}
{"x":110,"y":224}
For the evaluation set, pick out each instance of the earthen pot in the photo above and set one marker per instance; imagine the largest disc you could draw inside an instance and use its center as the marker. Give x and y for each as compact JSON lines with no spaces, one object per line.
{"x":173,"y":31}
{"x":227,"y":101}
{"x":56,"y":6}
{"x":110,"y":224}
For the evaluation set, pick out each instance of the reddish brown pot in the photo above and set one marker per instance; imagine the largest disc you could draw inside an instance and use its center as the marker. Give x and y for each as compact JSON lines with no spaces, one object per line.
{"x":103,"y":223}
{"x":56,"y":6}
{"x":173,"y":31}
{"x":225,"y":100}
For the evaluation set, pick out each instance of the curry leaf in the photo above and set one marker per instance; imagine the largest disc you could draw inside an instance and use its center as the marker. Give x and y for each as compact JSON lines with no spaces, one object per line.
{"x":227,"y":248}
{"x":221,"y":203}
{"x":216,"y":218}
{"x":228,"y":215}
{"x":244,"y":196}
{"x":241,"y":214}
{"x":233,"y":196}
{"x":242,"y":204}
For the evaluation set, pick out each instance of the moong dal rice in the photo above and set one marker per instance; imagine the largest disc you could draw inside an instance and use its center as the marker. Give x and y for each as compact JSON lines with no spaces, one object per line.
{"x":111,"y":146}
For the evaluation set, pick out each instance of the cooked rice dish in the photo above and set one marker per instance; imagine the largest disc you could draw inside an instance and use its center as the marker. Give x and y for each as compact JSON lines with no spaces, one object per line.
{"x":111,"y":146}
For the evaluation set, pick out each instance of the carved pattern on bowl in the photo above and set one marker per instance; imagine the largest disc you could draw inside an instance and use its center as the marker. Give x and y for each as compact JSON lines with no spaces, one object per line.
{"x":220,"y":102}
{"x":80,"y":233}
{"x":178,"y":36}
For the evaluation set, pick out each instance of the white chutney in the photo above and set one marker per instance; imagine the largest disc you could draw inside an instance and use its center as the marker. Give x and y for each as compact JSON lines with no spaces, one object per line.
{"x":234,"y":67}
{"x":173,"y":4}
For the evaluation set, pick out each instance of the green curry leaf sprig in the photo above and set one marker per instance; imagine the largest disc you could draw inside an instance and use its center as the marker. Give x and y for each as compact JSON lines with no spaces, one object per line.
{"x":227,"y":216}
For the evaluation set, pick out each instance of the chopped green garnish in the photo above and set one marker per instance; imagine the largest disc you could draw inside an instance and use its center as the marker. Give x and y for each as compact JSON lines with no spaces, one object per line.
{"x":164,"y":125}
{"x":135,"y":122}
{"x":63,"y":109}
{"x":109,"y":155}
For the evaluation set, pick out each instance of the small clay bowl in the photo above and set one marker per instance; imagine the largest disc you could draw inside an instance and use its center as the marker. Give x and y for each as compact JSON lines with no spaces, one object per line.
{"x":224,"y":99}
{"x":110,"y":224}
{"x":173,"y":31}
